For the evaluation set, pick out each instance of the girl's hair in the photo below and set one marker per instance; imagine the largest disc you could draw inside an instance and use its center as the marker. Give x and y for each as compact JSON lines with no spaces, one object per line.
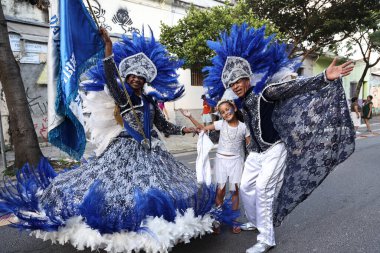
{"x":238,"y":113}
{"x":370,"y":97}
{"x":354,"y":99}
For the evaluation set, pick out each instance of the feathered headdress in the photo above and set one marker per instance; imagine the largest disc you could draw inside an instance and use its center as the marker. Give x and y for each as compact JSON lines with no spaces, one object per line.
{"x":144,"y":57}
{"x":245,"y":53}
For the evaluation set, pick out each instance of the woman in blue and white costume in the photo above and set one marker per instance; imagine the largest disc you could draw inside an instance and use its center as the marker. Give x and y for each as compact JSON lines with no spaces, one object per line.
{"x":134,"y":195}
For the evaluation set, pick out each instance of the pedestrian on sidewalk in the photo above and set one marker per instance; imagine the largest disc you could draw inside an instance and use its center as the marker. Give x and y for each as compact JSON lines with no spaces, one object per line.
{"x":229,"y":161}
{"x":367,"y":112}
{"x":161,"y":105}
{"x":206,"y":112}
{"x":355,"y":113}
{"x":291,"y":150}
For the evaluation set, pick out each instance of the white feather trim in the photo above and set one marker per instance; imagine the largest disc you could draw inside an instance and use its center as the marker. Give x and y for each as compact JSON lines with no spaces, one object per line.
{"x":100,"y":123}
{"x":162,"y":237}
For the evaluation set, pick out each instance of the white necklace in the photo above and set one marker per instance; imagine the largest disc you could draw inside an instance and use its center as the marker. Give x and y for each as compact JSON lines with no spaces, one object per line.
{"x":228,"y":134}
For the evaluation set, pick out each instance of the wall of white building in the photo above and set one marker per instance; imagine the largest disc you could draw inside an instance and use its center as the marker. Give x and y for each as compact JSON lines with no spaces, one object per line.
{"x":28,"y":30}
{"x":24,"y":11}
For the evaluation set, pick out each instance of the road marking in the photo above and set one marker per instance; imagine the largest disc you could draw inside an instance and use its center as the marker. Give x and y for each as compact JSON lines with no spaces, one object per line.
{"x":8,"y":220}
{"x":366,"y":135}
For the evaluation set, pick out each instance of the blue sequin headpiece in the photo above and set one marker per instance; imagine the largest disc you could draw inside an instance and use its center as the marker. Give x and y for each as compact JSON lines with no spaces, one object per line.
{"x":144,"y":57}
{"x":244,"y":53}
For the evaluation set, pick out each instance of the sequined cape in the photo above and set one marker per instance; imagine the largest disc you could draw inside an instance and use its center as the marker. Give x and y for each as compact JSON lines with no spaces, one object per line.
{"x":311,"y":117}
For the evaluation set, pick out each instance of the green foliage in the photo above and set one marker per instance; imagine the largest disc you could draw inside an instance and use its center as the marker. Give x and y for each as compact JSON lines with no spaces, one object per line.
{"x":375,"y":40}
{"x":314,"y":24}
{"x":187,"y":39}
{"x":367,"y":39}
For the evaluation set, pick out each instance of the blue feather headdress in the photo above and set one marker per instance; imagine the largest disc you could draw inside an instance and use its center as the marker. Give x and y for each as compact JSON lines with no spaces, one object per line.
{"x":245,"y":52}
{"x":159,"y":68}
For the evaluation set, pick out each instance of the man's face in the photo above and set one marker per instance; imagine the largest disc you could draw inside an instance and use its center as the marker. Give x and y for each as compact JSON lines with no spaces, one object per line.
{"x":240,"y":87}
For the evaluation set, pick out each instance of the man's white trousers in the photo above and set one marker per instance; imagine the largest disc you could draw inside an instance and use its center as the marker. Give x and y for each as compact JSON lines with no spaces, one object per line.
{"x":262,"y":176}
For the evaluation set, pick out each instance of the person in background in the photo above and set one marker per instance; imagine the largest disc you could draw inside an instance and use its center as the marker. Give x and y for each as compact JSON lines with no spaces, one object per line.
{"x":367,"y":112}
{"x":355,"y":113}
{"x":161,"y":105}
{"x":206,"y":112}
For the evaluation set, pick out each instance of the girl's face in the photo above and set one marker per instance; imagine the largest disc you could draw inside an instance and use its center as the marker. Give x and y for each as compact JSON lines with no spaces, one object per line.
{"x":227,"y":111}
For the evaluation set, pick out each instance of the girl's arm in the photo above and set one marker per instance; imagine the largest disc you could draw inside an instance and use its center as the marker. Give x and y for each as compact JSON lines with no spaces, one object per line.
{"x":208,"y":127}
{"x":188,"y":115}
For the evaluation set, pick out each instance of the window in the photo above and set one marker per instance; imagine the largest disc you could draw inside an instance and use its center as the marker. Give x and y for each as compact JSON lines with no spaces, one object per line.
{"x":196,"y":76}
{"x":353,"y":88}
{"x":300,"y":71}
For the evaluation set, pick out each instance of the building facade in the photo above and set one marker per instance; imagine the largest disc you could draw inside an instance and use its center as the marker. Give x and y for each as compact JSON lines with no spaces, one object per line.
{"x":28,"y":29}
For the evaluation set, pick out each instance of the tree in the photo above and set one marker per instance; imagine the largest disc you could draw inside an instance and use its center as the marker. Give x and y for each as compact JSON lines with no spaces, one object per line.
{"x":22,"y":131}
{"x":368,"y":41}
{"x":187,"y":39}
{"x":312,"y":25}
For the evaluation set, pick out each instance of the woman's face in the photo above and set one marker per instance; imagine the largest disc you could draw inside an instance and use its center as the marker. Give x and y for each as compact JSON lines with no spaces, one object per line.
{"x":227,"y":111}
{"x":136,"y":82}
{"x":369,"y":98}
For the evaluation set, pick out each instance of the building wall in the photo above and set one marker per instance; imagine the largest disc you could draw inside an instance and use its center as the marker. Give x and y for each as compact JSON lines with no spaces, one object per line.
{"x":192,"y":98}
{"x":323,"y":62}
{"x":29,"y":44}
{"x":30,"y":51}
{"x":24,"y":10}
{"x":307,"y":67}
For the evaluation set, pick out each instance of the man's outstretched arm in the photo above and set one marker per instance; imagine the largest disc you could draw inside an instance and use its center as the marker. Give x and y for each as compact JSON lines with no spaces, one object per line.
{"x":278,"y":91}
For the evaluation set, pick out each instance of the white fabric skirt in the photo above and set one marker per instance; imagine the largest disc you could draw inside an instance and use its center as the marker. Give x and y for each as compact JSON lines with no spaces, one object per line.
{"x":355,"y":119}
{"x":228,"y":168}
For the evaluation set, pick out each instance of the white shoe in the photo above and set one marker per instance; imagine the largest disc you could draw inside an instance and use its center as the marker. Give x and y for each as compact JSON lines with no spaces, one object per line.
{"x":357,"y":132}
{"x":249,"y":226}
{"x":259,"y":247}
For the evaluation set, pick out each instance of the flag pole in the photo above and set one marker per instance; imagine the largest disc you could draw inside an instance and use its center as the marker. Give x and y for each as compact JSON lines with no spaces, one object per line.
{"x":141,"y":130}
{"x":93,"y":15}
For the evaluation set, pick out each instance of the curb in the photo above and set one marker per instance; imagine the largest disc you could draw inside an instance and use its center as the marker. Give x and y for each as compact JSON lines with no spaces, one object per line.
{"x":181,"y":151}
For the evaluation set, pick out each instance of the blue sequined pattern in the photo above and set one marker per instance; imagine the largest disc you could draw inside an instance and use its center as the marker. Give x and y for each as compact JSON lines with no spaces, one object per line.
{"x":124,"y":166}
{"x":311,"y":117}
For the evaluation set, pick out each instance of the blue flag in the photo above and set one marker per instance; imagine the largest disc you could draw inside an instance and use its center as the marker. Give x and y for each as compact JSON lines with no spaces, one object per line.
{"x":75,"y":39}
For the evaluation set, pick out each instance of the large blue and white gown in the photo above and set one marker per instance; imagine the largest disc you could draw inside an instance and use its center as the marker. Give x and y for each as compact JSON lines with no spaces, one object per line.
{"x":128,"y":198}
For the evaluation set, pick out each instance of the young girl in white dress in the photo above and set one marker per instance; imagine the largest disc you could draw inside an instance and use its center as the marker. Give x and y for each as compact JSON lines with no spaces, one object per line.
{"x":230,"y":153}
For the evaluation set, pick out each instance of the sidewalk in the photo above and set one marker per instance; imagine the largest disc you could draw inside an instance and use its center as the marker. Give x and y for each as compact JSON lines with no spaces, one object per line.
{"x":374,"y":120}
{"x":176,"y":144}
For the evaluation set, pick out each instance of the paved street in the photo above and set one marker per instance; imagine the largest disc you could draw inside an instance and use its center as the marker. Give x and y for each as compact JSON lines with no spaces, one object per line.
{"x":342,"y":215}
